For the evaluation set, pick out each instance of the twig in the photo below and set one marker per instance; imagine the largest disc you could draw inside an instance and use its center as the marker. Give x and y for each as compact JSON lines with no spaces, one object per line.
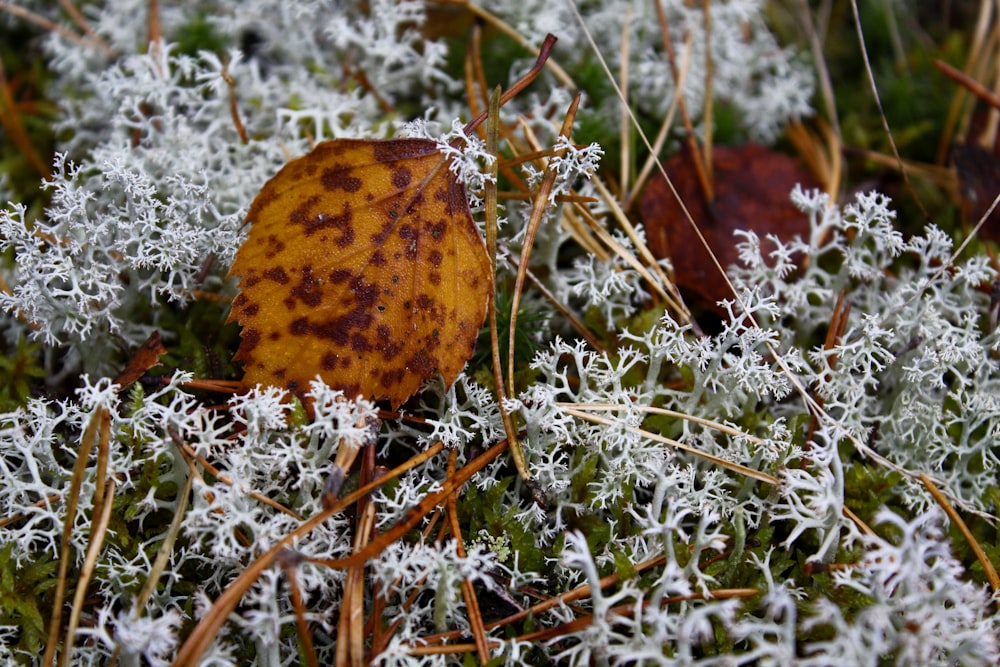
{"x":991,"y":573}
{"x":468,"y":592}
{"x":46,"y":24}
{"x":233,"y":108}
{"x":207,"y":629}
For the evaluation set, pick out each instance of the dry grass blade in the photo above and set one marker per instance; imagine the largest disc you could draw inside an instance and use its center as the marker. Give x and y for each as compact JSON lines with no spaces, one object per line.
{"x":834,"y":336}
{"x":418,"y":512}
{"x":661,"y":135}
{"x":735,"y":467}
{"x":857,"y":521}
{"x":718,"y":426}
{"x":977,"y":61}
{"x":11,"y":122}
{"x":630,"y":609}
{"x":288,"y":560}
{"x":208,"y":627}
{"x":581,"y":623}
{"x":563,"y":309}
{"x":703,"y":170}
{"x":90,"y":434}
{"x":991,"y":573}
{"x":624,"y":128}
{"x":14,"y":518}
{"x":881,"y":112}
{"x":220,"y":386}
{"x":167,"y":546}
{"x":39,"y":20}
{"x":943,"y":177}
{"x":98,"y":530}
{"x":577,"y":593}
{"x":192,"y":456}
{"x":350,"y":627}
{"x":347,"y":451}
{"x":87,"y":29}
{"x":154,"y":31}
{"x":493,"y":148}
{"x":659,"y":283}
{"x":468,"y":592}
{"x":709,"y":101}
{"x":503,"y":27}
{"x":544,"y":54}
{"x":534,"y":223}
{"x":103,"y":453}
{"x":973,"y":86}
{"x":825,"y":84}
{"x":823,"y":154}
{"x":234,"y":110}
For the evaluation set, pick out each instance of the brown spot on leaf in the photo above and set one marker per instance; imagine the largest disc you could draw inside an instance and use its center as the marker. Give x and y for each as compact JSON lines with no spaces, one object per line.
{"x":251,"y":338}
{"x":338,"y":177}
{"x":391,"y":378}
{"x":384,"y":232}
{"x":437,"y":229}
{"x":401,"y":177}
{"x":366,"y":294}
{"x":360,"y":344}
{"x":301,"y":213}
{"x":338,"y":222}
{"x":338,"y":276}
{"x":338,"y":329}
{"x":456,"y":198}
{"x":278,"y":275}
{"x":308,"y":290}
{"x":386,"y":345}
{"x":411,"y":238}
{"x":422,"y":363}
{"x":397,"y":150}
{"x":274,"y":246}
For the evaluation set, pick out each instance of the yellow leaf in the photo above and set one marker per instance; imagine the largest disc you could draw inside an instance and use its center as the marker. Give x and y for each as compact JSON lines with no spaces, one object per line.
{"x":363,"y":266}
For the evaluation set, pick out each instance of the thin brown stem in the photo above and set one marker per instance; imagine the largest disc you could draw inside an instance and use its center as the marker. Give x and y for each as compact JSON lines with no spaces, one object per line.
{"x":468,"y":592}
{"x":702,"y":170}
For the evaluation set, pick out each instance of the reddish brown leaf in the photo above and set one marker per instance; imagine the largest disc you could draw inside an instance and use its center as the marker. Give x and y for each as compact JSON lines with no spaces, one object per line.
{"x":752,"y":193}
{"x":978,"y":173}
{"x":363,"y":266}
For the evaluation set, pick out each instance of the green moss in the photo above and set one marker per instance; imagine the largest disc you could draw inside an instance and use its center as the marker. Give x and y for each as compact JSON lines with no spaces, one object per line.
{"x":26,"y":597}
{"x":198,"y":34}
{"x":21,"y":374}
